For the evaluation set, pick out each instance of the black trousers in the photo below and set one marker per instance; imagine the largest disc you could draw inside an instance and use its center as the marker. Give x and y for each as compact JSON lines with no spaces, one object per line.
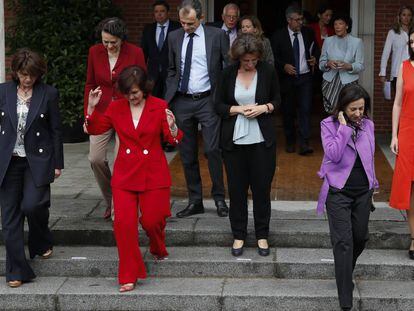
{"x":20,"y":198}
{"x":189,"y":113}
{"x":250,"y":166}
{"x":297,"y":96}
{"x":348,"y":216}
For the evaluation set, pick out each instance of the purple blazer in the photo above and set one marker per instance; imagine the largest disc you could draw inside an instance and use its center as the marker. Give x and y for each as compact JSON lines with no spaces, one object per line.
{"x":340,"y":153}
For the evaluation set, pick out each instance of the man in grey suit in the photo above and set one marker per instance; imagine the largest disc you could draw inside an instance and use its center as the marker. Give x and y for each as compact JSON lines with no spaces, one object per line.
{"x":196,"y":57}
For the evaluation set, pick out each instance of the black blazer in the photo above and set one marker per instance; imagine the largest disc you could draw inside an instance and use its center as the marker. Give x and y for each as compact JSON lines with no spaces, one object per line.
{"x":283,"y":50}
{"x":43,"y":136}
{"x":267,"y":91}
{"x":153,"y":56}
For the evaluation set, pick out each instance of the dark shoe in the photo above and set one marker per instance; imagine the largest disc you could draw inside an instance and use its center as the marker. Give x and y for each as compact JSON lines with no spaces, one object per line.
{"x":263,"y":251}
{"x":305,"y":149}
{"x":290,"y":148}
{"x":236,"y":252}
{"x":191,"y":209}
{"x":411,"y":252}
{"x":169,"y":148}
{"x":346,"y":309}
{"x":222,"y":209}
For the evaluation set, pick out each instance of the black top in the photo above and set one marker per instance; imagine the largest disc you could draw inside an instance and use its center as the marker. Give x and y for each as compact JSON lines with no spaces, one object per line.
{"x":357,"y":178}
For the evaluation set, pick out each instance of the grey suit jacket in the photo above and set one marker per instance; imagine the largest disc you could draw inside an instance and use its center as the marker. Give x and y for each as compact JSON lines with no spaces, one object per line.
{"x":217,"y":47}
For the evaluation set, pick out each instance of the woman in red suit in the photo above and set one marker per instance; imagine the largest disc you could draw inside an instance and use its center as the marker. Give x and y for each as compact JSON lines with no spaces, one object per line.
{"x":105,"y":61}
{"x":140,"y":171}
{"x":322,"y":28}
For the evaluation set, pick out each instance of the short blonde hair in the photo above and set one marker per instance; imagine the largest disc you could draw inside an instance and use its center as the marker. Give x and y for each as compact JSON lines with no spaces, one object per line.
{"x":246,"y":43}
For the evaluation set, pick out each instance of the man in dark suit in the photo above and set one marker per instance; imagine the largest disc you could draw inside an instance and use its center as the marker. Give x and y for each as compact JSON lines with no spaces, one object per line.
{"x":230,"y":17}
{"x":295,"y":52}
{"x":155,"y":46}
{"x":196,"y":57}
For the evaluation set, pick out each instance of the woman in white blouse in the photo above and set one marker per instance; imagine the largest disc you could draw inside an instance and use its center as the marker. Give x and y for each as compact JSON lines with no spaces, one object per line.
{"x":397,"y":44}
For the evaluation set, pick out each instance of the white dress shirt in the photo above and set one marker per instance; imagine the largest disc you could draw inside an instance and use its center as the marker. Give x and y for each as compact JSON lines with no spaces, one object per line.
{"x":158,"y":30}
{"x":397,"y":44}
{"x":232,"y":34}
{"x":199,"y":79}
{"x":302,"y":55}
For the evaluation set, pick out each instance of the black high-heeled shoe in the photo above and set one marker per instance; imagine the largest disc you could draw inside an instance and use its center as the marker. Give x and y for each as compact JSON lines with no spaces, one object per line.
{"x":236,"y":252}
{"x":411,"y":252}
{"x":263,"y":251}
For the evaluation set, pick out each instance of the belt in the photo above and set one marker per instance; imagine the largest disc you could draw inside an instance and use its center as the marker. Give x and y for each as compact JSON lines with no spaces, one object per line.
{"x":195,"y":96}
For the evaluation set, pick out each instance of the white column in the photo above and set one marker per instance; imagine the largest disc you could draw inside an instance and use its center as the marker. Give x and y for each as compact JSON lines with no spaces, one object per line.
{"x":363,"y":16}
{"x":2,"y":45}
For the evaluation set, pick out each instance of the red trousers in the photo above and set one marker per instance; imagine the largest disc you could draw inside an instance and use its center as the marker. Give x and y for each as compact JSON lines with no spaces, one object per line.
{"x":154,"y":206}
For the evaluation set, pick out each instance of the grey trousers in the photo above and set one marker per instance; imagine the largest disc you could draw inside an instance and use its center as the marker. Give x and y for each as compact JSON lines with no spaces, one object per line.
{"x":189,"y":113}
{"x":348,"y":216}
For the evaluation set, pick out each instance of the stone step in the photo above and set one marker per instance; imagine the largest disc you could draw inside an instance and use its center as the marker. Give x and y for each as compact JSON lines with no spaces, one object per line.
{"x":290,"y":263}
{"x":208,"y":231}
{"x":61,"y":293}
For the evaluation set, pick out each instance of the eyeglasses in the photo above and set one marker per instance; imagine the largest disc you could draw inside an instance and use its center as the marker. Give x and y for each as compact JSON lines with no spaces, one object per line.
{"x":298,"y":20}
{"x":232,"y":17}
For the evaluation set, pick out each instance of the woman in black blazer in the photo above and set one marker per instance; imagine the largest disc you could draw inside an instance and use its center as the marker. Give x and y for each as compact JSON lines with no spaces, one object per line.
{"x":246,"y":97}
{"x":31,"y":158}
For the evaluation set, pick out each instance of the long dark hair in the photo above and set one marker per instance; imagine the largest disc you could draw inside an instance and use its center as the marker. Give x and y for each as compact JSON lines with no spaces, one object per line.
{"x":410,"y":49}
{"x":349,"y":94}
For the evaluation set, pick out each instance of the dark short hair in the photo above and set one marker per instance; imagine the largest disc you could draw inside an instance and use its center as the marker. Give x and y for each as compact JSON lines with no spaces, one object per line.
{"x":410,"y":50}
{"x":343,"y":17}
{"x":246,"y":43}
{"x":323,"y":8}
{"x":187,"y":5}
{"x":163,"y":3}
{"x":114,"y":26}
{"x":27,"y":61}
{"x":133,"y":75}
{"x":350,"y":93}
{"x":293,"y":9}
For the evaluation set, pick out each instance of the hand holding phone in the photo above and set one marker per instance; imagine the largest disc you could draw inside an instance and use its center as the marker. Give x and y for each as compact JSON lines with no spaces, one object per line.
{"x":342,"y":118}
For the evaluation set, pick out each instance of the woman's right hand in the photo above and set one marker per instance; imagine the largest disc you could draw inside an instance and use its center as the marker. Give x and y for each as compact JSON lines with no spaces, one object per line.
{"x":94,"y":97}
{"x":382,"y":79}
{"x":341,"y":118}
{"x":394,"y":145}
{"x":331,"y":64}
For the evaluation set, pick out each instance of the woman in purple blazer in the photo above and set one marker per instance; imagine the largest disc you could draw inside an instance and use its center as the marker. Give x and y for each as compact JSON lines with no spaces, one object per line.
{"x":349,"y":181}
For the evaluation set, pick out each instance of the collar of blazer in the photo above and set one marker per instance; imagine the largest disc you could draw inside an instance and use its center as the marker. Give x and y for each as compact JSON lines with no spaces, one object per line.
{"x":11,"y":100}
{"x":123,"y":52}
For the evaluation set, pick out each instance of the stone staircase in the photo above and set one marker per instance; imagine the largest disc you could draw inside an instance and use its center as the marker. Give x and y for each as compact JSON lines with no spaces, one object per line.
{"x":201,"y":274}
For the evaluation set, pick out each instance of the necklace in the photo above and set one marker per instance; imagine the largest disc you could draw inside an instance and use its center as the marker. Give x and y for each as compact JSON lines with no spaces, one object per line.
{"x":25,"y":92}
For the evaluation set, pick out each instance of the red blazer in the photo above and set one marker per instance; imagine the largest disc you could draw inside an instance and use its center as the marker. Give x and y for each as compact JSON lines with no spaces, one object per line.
{"x":140,"y":164}
{"x":98,"y":73}
{"x":317,"y":30}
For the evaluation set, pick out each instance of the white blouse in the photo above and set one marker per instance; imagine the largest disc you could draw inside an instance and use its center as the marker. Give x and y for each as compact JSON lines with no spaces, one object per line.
{"x":398,"y":45}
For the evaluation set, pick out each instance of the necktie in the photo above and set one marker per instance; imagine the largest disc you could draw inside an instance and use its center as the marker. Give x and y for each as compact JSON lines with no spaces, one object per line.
{"x":228,"y":32}
{"x":296,"y":53}
{"x":187,"y":64}
{"x":161,"y":38}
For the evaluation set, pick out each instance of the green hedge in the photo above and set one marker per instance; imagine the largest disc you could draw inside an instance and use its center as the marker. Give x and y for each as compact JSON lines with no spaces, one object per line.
{"x":62,"y":31}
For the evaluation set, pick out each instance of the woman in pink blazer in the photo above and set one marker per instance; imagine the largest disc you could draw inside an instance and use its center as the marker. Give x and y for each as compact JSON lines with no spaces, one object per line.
{"x":105,"y":62}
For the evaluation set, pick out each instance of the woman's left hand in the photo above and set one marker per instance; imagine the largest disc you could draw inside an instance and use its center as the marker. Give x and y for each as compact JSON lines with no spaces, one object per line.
{"x":58,"y":172}
{"x":253,"y":111}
